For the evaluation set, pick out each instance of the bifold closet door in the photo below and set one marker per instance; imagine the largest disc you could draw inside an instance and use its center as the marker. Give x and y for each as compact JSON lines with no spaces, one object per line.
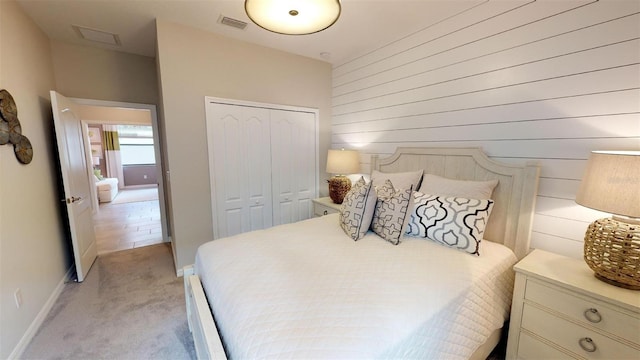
{"x":241,"y":167}
{"x":293,"y":161}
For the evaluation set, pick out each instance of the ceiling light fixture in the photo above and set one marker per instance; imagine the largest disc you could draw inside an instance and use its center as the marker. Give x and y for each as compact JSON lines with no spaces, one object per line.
{"x":293,"y":17}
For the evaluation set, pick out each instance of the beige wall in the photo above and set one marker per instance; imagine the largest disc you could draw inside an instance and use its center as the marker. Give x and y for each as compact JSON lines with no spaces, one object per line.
{"x":34,"y":254}
{"x":99,"y":74}
{"x":194,"y":64}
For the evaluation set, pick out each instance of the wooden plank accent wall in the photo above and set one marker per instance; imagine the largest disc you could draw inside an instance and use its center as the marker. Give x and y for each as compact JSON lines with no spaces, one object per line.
{"x":544,"y":81}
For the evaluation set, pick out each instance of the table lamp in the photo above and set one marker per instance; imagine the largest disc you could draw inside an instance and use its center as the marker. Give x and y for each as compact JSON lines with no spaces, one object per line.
{"x":341,"y":163}
{"x":612,"y":245}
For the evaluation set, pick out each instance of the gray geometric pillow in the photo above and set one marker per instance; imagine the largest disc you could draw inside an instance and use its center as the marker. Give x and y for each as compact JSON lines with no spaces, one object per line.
{"x":451,"y":221}
{"x":357,"y":209}
{"x":392,"y":212}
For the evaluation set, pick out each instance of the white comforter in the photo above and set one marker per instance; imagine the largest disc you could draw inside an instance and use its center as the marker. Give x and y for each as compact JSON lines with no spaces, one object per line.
{"x":306,"y":290}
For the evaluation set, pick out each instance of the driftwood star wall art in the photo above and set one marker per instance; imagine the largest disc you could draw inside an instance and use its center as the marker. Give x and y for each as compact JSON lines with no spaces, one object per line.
{"x":10,"y":129}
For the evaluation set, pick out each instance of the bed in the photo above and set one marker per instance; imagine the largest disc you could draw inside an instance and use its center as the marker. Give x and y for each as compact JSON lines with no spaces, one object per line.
{"x":305,"y":290}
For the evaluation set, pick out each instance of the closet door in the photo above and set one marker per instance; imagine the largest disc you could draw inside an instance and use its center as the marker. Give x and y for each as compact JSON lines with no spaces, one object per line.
{"x":240,"y":149}
{"x":293,"y":159}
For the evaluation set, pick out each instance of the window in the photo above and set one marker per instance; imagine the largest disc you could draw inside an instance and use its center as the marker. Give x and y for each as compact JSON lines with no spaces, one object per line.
{"x":136,"y":145}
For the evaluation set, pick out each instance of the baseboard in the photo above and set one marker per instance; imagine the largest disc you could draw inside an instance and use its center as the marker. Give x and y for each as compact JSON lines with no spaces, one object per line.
{"x":137,"y":187}
{"x":39,"y":319}
{"x":186,"y":271}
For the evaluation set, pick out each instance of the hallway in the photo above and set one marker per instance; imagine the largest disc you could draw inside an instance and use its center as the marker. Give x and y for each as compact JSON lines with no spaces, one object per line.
{"x":122,"y":226}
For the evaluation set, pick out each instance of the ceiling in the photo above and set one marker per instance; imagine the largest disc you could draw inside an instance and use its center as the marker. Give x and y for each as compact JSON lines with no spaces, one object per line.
{"x":364,"y":25}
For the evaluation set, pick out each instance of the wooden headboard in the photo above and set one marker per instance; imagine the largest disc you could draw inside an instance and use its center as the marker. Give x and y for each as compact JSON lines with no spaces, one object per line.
{"x":514,"y":196}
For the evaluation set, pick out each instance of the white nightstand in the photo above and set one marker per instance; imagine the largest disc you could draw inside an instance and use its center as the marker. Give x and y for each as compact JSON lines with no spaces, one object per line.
{"x":325,"y":206}
{"x":561,"y":311}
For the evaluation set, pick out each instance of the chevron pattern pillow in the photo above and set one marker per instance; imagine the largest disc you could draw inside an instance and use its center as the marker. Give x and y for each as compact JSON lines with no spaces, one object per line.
{"x":392,"y":212}
{"x":451,"y":221}
{"x":357,"y":209}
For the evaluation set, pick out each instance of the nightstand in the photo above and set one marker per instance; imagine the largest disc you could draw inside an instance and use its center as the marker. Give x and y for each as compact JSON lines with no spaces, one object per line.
{"x":561,"y":311}
{"x":325,"y":206}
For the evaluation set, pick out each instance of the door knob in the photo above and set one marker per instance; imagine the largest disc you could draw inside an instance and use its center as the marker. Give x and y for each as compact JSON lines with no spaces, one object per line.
{"x":73,"y":199}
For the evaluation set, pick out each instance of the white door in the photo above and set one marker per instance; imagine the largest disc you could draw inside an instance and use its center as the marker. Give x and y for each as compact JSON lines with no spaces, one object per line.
{"x":76,"y":182}
{"x":240,"y":166}
{"x":293,"y":154}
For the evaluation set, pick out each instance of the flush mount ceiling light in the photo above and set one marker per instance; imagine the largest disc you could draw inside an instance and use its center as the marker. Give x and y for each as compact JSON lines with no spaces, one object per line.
{"x":293,"y":17}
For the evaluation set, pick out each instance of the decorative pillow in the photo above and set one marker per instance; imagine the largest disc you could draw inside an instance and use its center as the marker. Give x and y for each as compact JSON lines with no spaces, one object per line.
{"x":392,"y":212}
{"x":452,"y":221}
{"x":357,"y":209}
{"x":433,"y":184}
{"x":402,"y":180}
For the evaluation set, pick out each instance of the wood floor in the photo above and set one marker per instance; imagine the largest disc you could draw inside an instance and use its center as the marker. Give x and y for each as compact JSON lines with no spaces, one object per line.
{"x":127,"y":226}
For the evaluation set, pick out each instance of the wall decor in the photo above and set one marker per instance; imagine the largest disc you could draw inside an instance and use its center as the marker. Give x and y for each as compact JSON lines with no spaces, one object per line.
{"x":4,"y":132}
{"x":94,"y":135}
{"x":10,"y":129}
{"x":96,"y":150}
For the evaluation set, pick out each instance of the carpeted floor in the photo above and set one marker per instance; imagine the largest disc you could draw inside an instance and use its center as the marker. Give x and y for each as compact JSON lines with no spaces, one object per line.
{"x":130,"y":306}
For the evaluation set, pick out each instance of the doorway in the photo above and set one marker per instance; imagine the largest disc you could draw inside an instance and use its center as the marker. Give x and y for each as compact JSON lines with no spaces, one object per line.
{"x":131,"y":213}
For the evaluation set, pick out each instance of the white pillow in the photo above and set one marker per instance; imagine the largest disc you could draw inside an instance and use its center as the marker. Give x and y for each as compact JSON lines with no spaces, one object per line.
{"x":433,"y":184}
{"x":451,"y":221}
{"x":392,"y":213}
{"x":357,"y":209}
{"x":401,"y":180}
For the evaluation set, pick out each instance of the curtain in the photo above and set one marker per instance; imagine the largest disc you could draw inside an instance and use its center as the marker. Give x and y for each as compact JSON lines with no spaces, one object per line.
{"x":112,"y":154}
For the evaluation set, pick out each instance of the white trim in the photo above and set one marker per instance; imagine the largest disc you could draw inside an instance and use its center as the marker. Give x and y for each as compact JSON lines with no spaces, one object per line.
{"x":137,"y":187}
{"x":260,"y":105}
{"x":39,"y":319}
{"x":156,"y":145}
{"x":95,"y":204}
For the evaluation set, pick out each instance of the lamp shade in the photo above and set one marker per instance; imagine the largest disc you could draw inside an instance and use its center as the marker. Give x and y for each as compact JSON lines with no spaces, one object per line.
{"x":612,"y":183}
{"x":343,"y":162}
{"x":96,"y":160}
{"x":293,"y":17}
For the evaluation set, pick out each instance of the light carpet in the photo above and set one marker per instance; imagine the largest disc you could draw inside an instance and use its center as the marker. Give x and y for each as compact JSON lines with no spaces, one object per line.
{"x":130,"y":306}
{"x":136,"y":195}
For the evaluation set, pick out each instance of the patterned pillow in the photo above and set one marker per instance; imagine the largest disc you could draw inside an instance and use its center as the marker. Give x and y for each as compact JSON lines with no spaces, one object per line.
{"x":357,"y":209}
{"x":392,"y":212}
{"x":452,"y":221}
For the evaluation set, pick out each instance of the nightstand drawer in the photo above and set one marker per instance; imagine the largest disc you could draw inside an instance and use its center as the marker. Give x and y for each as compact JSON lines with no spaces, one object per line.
{"x":320,"y":210}
{"x":325,"y":206}
{"x":570,"y":336}
{"x":585,"y":311}
{"x":530,"y":348}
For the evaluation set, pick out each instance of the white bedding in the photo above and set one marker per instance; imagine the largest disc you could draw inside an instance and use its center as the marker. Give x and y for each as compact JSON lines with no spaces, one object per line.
{"x":306,"y":290}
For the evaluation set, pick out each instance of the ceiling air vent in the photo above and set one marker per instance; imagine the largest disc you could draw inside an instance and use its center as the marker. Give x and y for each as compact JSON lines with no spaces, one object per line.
{"x":225,"y":20}
{"x":96,"y":35}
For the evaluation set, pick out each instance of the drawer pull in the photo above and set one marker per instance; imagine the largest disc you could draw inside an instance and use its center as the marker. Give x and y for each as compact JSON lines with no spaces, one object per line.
{"x":587,"y":344}
{"x":593,"y":315}
{"x":326,"y":212}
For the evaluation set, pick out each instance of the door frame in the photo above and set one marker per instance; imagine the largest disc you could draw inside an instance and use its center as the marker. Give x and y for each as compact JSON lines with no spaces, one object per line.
{"x":156,"y":146}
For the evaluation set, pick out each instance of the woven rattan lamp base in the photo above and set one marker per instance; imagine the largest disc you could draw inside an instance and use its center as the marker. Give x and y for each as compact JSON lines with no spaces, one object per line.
{"x":338,"y":188}
{"x":612,"y":251}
